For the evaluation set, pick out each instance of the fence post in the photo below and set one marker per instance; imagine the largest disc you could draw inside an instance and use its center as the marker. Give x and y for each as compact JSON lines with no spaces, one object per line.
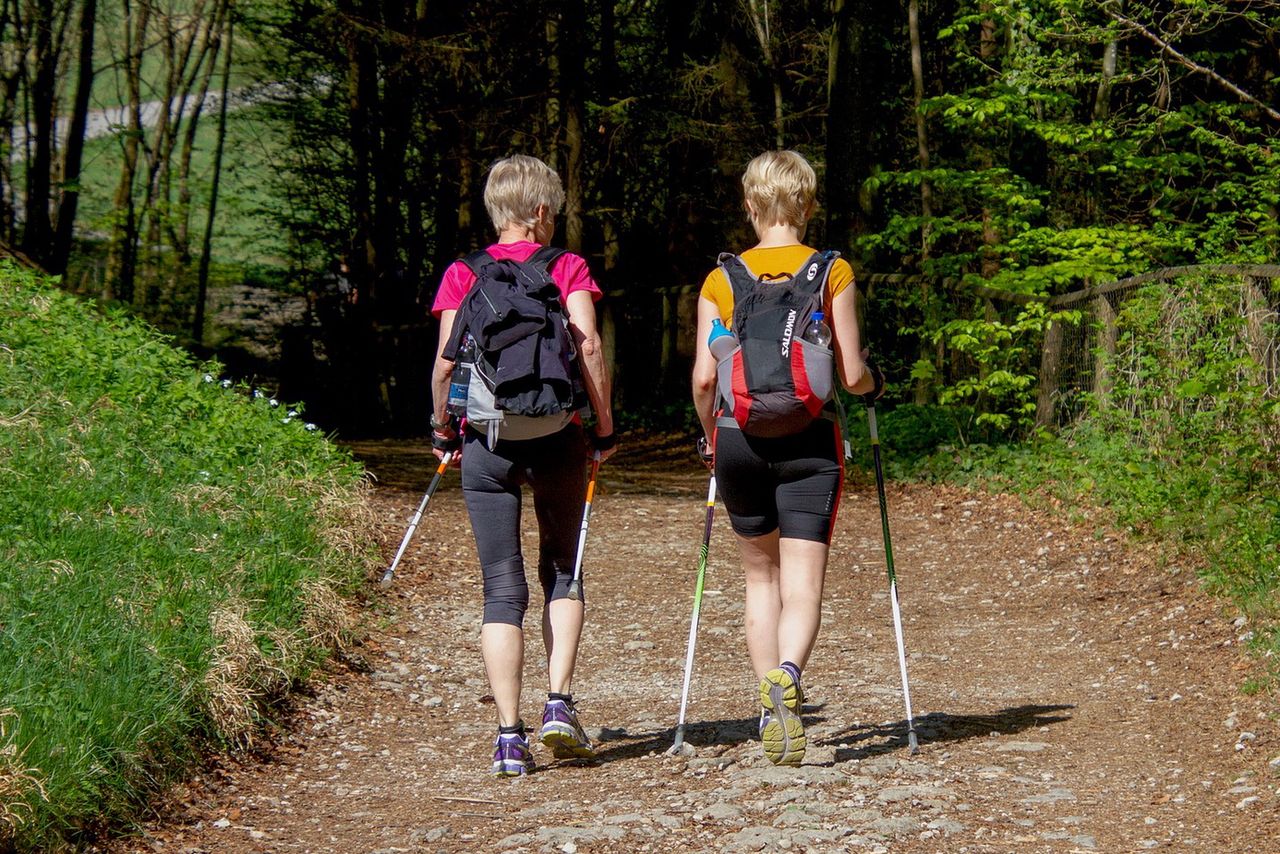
{"x":1050,"y":366}
{"x":670,"y":331}
{"x":1104,"y":357}
{"x":1256,"y":310}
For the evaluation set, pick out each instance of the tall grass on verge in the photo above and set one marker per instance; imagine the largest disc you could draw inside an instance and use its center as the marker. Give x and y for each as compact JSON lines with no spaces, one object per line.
{"x":171,"y":554}
{"x":16,"y":783}
{"x":1184,"y":446}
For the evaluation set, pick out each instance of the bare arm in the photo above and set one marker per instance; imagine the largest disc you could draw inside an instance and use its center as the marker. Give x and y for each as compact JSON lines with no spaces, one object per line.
{"x":595,"y":374}
{"x":848,"y":343}
{"x":441,"y":372}
{"x":704,"y":369}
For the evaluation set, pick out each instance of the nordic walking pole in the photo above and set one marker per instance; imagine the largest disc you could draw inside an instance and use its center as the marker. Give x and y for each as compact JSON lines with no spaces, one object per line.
{"x":697,"y":609}
{"x":417,"y":517}
{"x":575,"y":586}
{"x":893,"y":578}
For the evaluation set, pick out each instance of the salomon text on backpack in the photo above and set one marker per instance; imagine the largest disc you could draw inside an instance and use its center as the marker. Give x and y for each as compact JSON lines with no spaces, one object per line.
{"x":524,"y":379}
{"x":776,"y":383}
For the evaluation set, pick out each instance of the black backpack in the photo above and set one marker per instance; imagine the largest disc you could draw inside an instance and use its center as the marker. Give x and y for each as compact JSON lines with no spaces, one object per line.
{"x":524,"y":377}
{"x":776,"y":383}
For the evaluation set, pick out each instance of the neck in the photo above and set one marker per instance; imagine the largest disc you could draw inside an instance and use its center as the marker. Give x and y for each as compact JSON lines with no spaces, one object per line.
{"x":777,"y":235}
{"x":518,"y":234}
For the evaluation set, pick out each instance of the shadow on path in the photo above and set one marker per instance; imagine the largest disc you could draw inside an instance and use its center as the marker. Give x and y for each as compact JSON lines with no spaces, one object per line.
{"x":615,"y":744}
{"x":942,"y":727}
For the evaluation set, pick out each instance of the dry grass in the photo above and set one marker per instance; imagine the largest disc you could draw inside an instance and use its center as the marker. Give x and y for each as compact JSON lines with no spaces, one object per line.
{"x":16,"y":784}
{"x":240,"y":677}
{"x":328,"y":620}
{"x":346,"y":517}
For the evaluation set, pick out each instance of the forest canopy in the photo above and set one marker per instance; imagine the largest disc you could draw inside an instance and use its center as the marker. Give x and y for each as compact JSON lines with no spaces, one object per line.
{"x":1031,"y":148}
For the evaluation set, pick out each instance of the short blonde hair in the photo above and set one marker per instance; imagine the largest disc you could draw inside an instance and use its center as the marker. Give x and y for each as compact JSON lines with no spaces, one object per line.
{"x":516,"y":186}
{"x":780,"y":187}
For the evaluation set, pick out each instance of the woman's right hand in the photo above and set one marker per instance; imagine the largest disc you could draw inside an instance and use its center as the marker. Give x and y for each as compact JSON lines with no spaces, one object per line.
{"x":707,"y":453}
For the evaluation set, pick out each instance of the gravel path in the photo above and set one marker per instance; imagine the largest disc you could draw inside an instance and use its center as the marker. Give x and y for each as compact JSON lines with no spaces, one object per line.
{"x":1071,"y":696}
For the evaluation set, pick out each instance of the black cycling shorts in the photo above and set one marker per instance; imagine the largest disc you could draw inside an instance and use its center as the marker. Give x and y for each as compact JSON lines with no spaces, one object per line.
{"x":789,"y":484}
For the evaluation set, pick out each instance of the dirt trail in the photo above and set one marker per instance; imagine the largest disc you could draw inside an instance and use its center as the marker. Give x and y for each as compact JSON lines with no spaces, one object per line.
{"x":1070,"y":697}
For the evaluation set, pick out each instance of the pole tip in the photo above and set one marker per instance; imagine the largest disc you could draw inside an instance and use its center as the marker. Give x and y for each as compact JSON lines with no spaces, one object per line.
{"x":913,"y":744}
{"x":681,"y":748}
{"x":386,"y":578}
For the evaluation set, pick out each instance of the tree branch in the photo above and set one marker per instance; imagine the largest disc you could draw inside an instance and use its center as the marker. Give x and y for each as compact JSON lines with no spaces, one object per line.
{"x":1186,"y":61}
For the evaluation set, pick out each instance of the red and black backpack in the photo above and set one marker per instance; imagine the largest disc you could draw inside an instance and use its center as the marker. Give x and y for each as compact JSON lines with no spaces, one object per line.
{"x":776,"y":383}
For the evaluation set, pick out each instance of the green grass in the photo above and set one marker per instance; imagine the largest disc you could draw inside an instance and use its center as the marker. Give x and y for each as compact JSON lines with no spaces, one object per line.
{"x":168,"y":554}
{"x":244,"y":227}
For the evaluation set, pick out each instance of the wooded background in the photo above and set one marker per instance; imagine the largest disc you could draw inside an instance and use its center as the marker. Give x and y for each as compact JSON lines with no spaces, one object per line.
{"x":161,"y":152}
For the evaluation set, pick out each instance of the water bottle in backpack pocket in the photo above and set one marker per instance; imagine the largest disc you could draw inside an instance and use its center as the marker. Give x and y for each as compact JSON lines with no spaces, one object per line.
{"x":782,"y":374}
{"x":460,"y":381}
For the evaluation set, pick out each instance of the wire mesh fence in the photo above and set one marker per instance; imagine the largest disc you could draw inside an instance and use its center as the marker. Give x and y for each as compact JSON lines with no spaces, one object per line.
{"x":1161,"y":340}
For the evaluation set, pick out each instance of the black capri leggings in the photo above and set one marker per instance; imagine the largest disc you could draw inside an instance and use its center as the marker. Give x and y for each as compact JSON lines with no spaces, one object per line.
{"x":555,"y":468}
{"x":790,"y":484}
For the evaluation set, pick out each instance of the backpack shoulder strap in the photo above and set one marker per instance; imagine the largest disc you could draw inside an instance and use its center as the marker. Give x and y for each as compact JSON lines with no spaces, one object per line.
{"x":545,"y":257}
{"x":812,"y":276}
{"x":478,"y":260}
{"x":741,"y":279}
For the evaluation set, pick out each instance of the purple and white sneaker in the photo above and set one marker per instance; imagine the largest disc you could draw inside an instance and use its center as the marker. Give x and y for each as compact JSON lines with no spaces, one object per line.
{"x":562,"y":732}
{"x":511,"y":756}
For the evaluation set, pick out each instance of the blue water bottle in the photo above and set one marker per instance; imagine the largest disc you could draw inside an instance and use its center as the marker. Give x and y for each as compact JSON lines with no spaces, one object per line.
{"x":460,"y":381}
{"x":721,"y":341}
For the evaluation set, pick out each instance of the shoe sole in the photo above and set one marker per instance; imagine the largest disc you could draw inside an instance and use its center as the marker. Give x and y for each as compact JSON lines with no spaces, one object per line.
{"x":512,"y":767}
{"x":783,"y":736}
{"x":565,"y":744}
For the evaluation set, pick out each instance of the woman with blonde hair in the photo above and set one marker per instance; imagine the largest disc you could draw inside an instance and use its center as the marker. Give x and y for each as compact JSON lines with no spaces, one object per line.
{"x":776,"y":451}
{"x":549,"y":454}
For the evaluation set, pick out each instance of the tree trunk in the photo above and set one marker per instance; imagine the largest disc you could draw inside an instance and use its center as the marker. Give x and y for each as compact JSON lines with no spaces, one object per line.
{"x":10,"y":81}
{"x":990,"y":235}
{"x":74,"y":151}
{"x":922,"y":134}
{"x":179,"y":224}
{"x":758,"y":11}
{"x":928,"y":300}
{"x":122,"y":253}
{"x":851,"y":116}
{"x":48,"y":32}
{"x":206,"y":247}
{"x":573,"y":25}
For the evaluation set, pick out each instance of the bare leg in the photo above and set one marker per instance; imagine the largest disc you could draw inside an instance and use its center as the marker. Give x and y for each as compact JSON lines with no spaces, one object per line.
{"x":760,"y":563}
{"x":502,"y":646}
{"x":561,"y":631}
{"x":804,"y":567}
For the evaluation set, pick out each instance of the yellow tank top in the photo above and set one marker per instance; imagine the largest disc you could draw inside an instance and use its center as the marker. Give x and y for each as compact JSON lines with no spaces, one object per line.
{"x":775,"y":262}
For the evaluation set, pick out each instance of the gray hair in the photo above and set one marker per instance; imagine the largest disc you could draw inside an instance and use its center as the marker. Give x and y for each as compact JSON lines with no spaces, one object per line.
{"x":516,"y":186}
